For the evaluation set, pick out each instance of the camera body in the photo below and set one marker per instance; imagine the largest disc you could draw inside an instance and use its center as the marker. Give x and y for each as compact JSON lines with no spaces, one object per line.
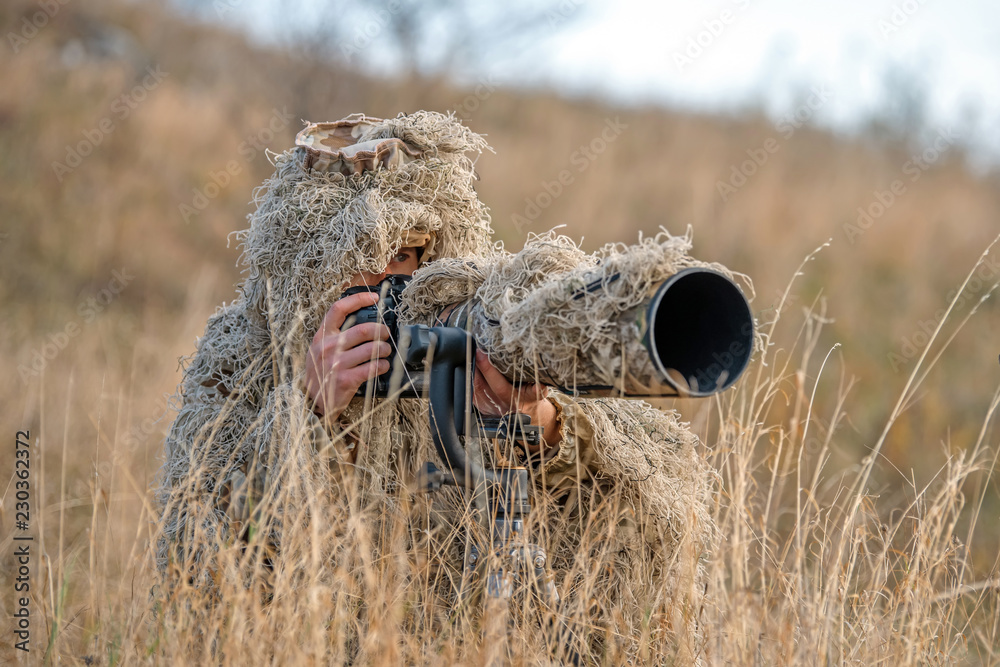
{"x":411,"y":364}
{"x":404,"y":377}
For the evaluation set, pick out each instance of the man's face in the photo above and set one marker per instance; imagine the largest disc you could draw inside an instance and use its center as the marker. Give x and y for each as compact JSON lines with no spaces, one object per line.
{"x":404,"y":263}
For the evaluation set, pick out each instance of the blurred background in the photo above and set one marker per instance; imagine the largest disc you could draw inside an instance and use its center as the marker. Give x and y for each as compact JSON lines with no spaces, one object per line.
{"x":132,"y":134}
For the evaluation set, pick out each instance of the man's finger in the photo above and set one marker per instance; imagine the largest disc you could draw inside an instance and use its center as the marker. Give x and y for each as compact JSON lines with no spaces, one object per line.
{"x":337,"y":315}
{"x":484,"y":399}
{"x":500,"y":385}
{"x":357,"y":376}
{"x":335,"y":343}
{"x":532,"y":392}
{"x":361,"y":333}
{"x":356,"y":356}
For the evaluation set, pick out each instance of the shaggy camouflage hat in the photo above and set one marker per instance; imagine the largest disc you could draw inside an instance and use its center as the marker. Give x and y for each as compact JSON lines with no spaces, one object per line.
{"x":346,"y":199}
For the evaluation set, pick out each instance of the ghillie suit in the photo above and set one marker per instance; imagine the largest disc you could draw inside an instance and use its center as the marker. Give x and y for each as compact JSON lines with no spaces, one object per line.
{"x":258,"y":495}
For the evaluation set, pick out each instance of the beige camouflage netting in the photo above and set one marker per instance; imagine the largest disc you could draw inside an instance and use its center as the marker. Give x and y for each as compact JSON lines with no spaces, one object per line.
{"x":623,"y":501}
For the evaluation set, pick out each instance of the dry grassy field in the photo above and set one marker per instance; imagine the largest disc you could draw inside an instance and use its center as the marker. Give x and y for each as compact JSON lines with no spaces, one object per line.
{"x":856,"y":495}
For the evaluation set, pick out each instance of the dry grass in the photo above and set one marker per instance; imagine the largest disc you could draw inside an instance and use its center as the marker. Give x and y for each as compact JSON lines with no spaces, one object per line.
{"x":817,"y":568}
{"x":858,"y":507}
{"x":814,"y":565}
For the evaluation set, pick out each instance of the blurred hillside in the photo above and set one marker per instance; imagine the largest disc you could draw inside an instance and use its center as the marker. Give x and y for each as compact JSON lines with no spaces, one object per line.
{"x":130,"y":141}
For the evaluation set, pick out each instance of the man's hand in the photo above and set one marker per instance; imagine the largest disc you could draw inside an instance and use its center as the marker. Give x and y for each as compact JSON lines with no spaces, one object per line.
{"x":339,"y":362}
{"x":494,"y":395}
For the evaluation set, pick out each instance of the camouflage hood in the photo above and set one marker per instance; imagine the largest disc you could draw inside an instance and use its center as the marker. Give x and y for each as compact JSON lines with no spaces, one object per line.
{"x":345,"y":200}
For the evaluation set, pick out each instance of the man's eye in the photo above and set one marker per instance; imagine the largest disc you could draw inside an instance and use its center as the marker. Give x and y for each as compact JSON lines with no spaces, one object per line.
{"x":401,"y":257}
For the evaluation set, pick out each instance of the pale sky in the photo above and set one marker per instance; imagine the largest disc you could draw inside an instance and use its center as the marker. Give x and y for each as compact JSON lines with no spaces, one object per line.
{"x":773,"y":51}
{"x":769,"y":54}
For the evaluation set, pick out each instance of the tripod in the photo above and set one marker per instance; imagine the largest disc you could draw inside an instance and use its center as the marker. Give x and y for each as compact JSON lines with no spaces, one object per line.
{"x":508,"y":560}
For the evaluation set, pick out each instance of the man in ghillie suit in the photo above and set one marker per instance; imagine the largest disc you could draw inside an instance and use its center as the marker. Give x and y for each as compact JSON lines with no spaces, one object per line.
{"x":283,"y":492}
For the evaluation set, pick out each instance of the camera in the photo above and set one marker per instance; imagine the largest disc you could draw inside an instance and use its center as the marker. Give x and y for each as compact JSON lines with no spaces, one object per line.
{"x":402,"y":379}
